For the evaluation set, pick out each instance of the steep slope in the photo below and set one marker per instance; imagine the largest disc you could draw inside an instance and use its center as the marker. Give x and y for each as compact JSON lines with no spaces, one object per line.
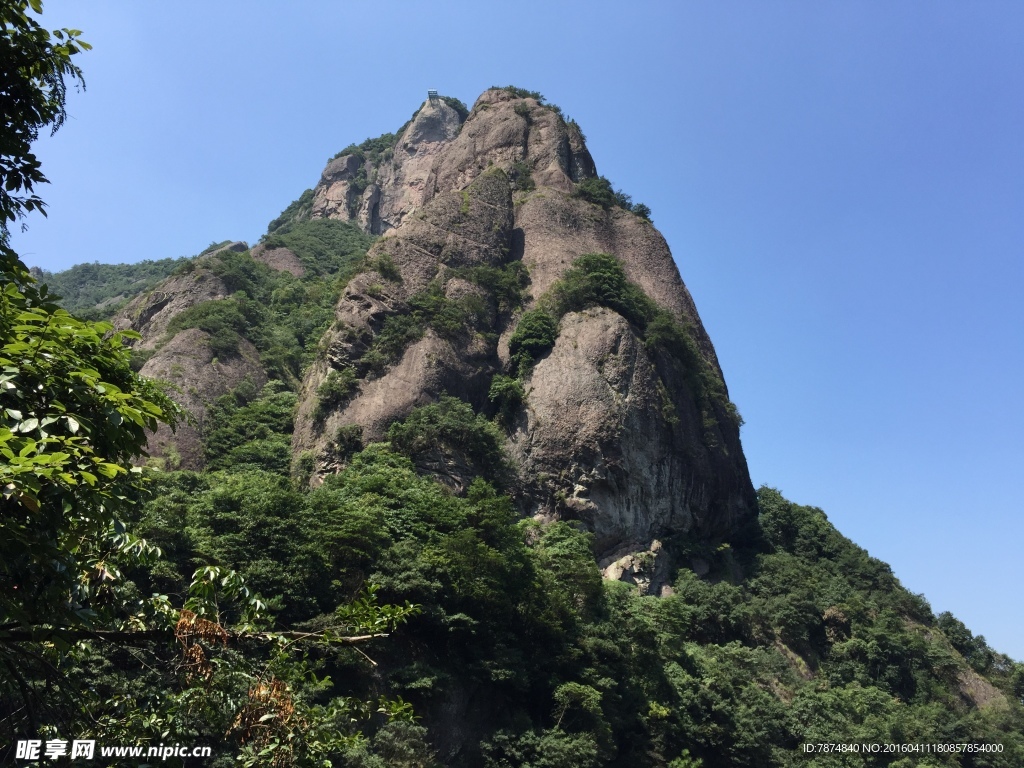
{"x":609,"y":430}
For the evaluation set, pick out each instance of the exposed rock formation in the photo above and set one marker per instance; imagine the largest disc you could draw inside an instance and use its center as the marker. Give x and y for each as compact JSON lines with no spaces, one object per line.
{"x":454,"y":230}
{"x":280,"y":259}
{"x":606,"y":435}
{"x":186,"y":361}
{"x":610,"y":432}
{"x":198,"y":378}
{"x":152,"y":312}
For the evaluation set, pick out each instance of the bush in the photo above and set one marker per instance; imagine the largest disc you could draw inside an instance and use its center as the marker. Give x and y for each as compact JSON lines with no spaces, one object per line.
{"x":223,"y":319}
{"x":506,"y":283}
{"x":387,"y":268}
{"x":334,"y":390}
{"x":598,"y":190}
{"x":85,"y":286}
{"x":522,"y":177}
{"x":429,"y":308}
{"x":598,"y":279}
{"x":450,"y":424}
{"x":533,"y":337}
{"x":297,"y":210}
{"x":507,"y":395}
{"x":458,"y":106}
{"x":520,"y":93}
{"x":324,"y":246}
{"x":348,"y":440}
{"x":372,"y":149}
{"x":237,"y":420}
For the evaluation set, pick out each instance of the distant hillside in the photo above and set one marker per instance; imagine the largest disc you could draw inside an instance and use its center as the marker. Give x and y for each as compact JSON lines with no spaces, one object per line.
{"x":99,"y":290}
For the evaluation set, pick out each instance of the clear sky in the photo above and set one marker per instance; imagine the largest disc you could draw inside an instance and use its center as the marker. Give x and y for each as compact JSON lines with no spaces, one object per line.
{"x":842,"y":185}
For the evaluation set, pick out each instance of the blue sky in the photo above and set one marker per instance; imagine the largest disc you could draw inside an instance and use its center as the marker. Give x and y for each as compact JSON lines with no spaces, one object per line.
{"x":842,"y":185}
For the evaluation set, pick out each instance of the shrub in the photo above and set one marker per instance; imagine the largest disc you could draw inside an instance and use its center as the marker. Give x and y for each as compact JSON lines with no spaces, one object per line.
{"x":428,"y":308}
{"x":506,"y":283}
{"x":450,"y":424}
{"x":520,"y":93}
{"x":296,"y":211}
{"x":387,"y":268}
{"x":397,"y":333}
{"x":599,"y":279}
{"x":223,"y":319}
{"x":458,"y":106}
{"x":348,"y":440}
{"x":85,"y":286}
{"x":334,"y":390}
{"x":324,"y":246}
{"x":534,"y":336}
{"x":372,"y":149}
{"x":507,"y":394}
{"x":598,"y":190}
{"x":522,"y":177}
{"x":240,"y":418}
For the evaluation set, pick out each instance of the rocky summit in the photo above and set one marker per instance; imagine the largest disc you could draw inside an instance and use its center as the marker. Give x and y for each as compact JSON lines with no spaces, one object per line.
{"x":636,"y":441}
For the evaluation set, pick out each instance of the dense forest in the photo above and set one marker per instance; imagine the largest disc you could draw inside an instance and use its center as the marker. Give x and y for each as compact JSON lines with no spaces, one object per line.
{"x":795,"y":637}
{"x":381,"y":614}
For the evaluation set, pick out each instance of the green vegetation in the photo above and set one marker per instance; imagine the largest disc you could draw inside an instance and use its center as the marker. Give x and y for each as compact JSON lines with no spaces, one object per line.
{"x":375,"y":150}
{"x":324,"y":246}
{"x":387,"y":268}
{"x":245,"y":422}
{"x":520,"y":93}
{"x":522,"y":177}
{"x":36,"y":68}
{"x":598,"y":190}
{"x":239,"y":620}
{"x":334,"y":390}
{"x":458,"y":105}
{"x":297,"y":211}
{"x":597,"y":279}
{"x":507,"y":394}
{"x":106,"y":287}
{"x":523,"y":93}
{"x":534,"y":336}
{"x":448,"y":426}
{"x":817,"y":639}
{"x":503,"y":289}
{"x":223,"y":319}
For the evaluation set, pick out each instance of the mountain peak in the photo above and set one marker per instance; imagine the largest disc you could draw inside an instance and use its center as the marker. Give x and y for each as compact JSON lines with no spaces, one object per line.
{"x":438,"y":151}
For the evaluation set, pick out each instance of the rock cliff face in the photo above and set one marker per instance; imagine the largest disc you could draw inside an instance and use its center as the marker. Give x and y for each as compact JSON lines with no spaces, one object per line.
{"x":186,"y":361}
{"x":608,"y":432}
{"x":638,"y":445}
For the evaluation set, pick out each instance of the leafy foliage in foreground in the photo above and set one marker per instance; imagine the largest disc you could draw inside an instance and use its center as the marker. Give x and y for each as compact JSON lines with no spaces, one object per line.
{"x":35,"y":73}
{"x":73,"y":414}
{"x":818,"y":642}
